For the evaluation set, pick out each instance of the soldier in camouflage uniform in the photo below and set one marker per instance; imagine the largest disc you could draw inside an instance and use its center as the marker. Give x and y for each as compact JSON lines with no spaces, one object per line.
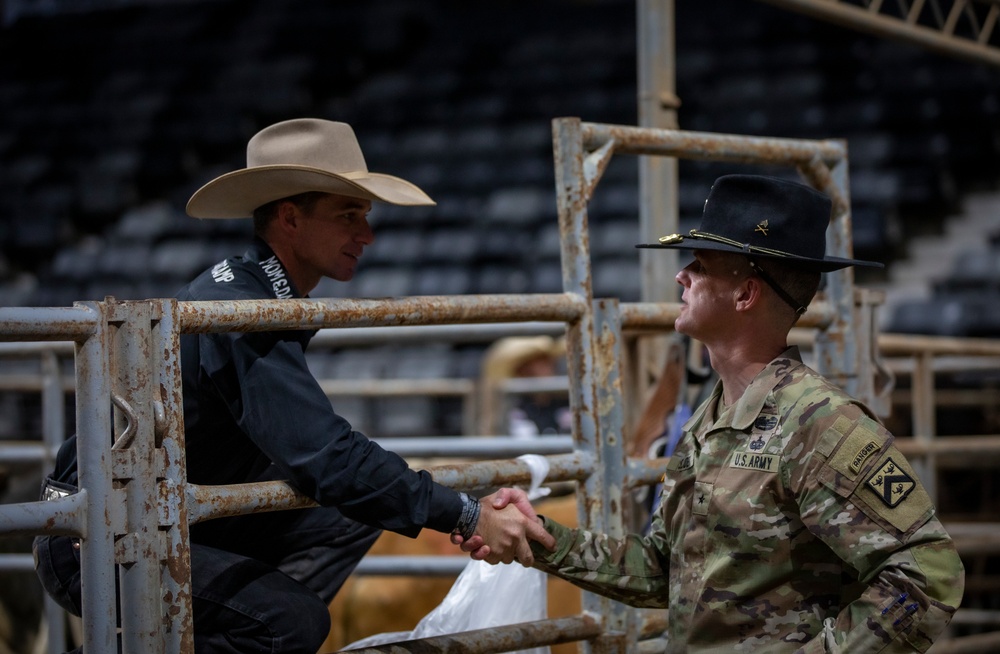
{"x":788,"y":520}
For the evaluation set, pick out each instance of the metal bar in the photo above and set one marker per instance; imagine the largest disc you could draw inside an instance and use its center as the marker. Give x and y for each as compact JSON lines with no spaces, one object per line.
{"x":231,"y":315}
{"x":33,"y":349}
{"x":888,"y":27}
{"x":708,"y":145}
{"x":53,"y":408}
{"x":924,"y":426}
{"x":611,"y":447}
{"x":47,"y":323}
{"x":175,"y":576}
{"x":139,"y":549}
{"x":649,"y":315}
{"x":430,"y":566}
{"x":102,"y":519}
{"x":24,"y":452}
{"x":208,"y":502}
{"x":571,"y":204}
{"x":956,"y":11}
{"x":505,"y":638}
{"x":977,"y":616}
{"x":837,"y":355}
{"x":397,"y":387}
{"x":905,"y":344}
{"x":17,"y":563}
{"x":982,"y":643}
{"x":29,"y":382}
{"x":495,"y":446}
{"x":467,"y":333}
{"x":989,"y":23}
{"x":62,"y":516}
{"x":954,"y":452}
{"x":914,"y":13}
{"x":657,"y":105}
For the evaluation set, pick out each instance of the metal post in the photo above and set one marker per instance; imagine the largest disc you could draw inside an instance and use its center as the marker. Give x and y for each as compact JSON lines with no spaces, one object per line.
{"x":657,"y":104}
{"x":924,"y":426}
{"x":571,"y":200}
{"x":103,"y":517}
{"x":611,"y":462}
{"x":53,"y":434}
{"x":175,"y":578}
{"x":138,"y":550}
{"x":837,"y":353}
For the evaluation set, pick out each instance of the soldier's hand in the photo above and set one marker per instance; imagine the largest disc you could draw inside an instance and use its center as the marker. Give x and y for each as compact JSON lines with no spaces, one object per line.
{"x":506,"y":522}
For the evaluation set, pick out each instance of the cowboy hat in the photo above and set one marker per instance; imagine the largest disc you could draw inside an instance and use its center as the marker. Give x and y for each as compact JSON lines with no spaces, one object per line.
{"x":764,"y":217}
{"x":297,"y":156}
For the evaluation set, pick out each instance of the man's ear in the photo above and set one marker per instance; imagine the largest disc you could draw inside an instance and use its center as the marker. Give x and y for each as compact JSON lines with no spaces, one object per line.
{"x":287,"y":216}
{"x":748,"y":293}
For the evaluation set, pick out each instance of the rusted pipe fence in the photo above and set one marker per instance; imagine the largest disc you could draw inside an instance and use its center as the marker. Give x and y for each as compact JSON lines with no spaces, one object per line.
{"x":138,"y":375}
{"x":128,"y":374}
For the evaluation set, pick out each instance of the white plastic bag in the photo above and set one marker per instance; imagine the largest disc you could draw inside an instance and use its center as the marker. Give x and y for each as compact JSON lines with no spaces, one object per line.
{"x":485,"y":595}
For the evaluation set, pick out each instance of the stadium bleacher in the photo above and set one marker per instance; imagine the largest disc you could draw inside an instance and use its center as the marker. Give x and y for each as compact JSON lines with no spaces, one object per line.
{"x":100,"y":148}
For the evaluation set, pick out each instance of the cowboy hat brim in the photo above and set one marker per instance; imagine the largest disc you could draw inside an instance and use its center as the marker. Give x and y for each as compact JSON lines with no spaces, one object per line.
{"x":239,"y":193}
{"x":826,"y":264}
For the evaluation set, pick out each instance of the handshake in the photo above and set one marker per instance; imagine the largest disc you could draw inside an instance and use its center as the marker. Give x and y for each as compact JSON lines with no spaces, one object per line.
{"x":507,"y":522}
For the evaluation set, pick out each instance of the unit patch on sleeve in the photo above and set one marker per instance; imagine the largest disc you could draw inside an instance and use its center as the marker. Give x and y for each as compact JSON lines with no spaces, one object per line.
{"x":891,"y":483}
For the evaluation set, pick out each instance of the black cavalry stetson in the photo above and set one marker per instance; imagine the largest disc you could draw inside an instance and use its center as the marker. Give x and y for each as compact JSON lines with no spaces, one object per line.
{"x":765,"y":217}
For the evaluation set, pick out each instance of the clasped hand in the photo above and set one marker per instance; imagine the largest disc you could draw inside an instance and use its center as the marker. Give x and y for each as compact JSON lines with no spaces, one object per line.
{"x":507,"y":522}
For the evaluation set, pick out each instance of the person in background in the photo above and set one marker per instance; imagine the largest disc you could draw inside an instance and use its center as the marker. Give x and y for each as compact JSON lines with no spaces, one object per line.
{"x":524,"y":415}
{"x":788,"y":521}
{"x":253,"y":412}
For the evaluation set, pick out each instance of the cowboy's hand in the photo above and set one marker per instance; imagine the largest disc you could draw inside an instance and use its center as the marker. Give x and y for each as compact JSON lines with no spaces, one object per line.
{"x":498,"y":500}
{"x":497,"y":539}
{"x":505,"y":533}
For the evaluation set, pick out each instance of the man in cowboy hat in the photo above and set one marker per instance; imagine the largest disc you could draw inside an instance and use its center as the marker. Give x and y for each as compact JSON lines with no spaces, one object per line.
{"x":788,"y":520}
{"x":253,"y":411}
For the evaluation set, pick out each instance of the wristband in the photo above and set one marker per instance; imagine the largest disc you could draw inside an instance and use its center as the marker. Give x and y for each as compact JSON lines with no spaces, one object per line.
{"x":469,"y":518}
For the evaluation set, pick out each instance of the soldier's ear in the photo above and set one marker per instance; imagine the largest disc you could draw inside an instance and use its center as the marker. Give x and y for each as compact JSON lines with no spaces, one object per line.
{"x":747,"y":293}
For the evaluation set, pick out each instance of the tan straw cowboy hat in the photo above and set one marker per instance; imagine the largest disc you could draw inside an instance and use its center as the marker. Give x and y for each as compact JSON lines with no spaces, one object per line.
{"x":297,"y":156}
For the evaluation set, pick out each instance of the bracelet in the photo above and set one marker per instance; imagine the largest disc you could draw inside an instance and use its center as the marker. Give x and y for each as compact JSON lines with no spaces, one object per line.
{"x":469,"y":518}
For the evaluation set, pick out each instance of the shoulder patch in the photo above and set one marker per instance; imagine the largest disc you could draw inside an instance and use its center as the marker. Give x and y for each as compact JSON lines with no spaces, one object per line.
{"x":902,"y":501}
{"x":891,"y":483}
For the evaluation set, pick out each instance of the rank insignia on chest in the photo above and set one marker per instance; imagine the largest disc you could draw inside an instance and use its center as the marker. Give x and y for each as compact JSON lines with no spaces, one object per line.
{"x":891,"y":483}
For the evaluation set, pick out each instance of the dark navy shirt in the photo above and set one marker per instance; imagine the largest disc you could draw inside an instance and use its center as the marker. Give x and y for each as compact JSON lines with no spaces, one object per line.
{"x":253,"y":411}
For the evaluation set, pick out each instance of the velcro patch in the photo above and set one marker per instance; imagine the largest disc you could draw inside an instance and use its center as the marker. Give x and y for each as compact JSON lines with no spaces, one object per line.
{"x":891,"y":483}
{"x":902,"y":502}
{"x":702,"y":497}
{"x":679,"y":461}
{"x":751,"y":461}
{"x":871,"y":447}
{"x":856,"y":449}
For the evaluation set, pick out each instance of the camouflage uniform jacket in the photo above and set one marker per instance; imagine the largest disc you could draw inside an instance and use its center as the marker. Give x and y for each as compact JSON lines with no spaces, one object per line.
{"x":789,"y":522}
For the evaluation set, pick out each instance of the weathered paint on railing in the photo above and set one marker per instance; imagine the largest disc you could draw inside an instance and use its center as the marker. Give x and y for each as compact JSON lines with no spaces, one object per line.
{"x":233,"y":315}
{"x":208,"y":502}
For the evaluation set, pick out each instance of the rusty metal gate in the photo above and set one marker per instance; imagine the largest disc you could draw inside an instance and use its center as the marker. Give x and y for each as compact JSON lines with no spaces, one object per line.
{"x":135,"y":504}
